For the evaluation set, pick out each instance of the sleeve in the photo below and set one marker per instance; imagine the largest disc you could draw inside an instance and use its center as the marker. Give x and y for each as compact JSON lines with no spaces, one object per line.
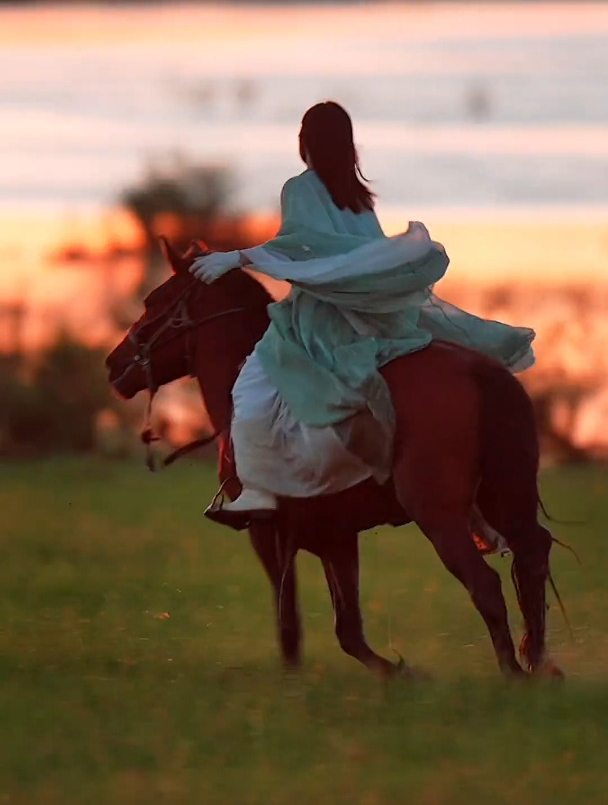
{"x":385,"y":266}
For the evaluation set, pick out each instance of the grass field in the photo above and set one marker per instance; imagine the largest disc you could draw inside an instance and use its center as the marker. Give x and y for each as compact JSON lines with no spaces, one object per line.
{"x":138,"y":661}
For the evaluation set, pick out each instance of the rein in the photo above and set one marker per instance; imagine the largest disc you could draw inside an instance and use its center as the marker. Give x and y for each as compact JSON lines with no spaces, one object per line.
{"x":179,"y":322}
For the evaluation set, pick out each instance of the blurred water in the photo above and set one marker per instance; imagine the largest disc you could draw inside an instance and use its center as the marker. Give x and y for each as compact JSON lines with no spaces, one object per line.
{"x":506,"y":110}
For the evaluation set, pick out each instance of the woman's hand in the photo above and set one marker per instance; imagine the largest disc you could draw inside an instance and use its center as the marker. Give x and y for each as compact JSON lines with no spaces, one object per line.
{"x":213,"y":266}
{"x":417,"y":228}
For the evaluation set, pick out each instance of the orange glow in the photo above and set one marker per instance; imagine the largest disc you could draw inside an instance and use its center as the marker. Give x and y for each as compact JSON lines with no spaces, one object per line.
{"x":484,"y":252}
{"x":527,"y":250}
{"x":206,"y":23}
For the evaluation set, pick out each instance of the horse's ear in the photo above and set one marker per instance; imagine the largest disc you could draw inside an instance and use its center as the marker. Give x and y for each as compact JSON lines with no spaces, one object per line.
{"x":173,"y":257}
{"x":197,"y":248}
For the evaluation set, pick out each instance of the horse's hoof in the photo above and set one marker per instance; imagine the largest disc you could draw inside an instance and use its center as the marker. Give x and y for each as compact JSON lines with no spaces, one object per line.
{"x":412,"y":673}
{"x":403,"y":670}
{"x":516,"y":675}
{"x":549,"y":670}
{"x":291,"y":665}
{"x":417,"y":674}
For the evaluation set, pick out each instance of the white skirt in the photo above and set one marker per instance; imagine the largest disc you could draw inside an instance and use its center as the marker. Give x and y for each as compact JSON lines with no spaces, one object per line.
{"x":275,"y":452}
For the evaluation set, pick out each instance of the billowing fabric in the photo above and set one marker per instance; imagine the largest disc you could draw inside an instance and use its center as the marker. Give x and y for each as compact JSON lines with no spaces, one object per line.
{"x":276,"y":452}
{"x":359,"y":299}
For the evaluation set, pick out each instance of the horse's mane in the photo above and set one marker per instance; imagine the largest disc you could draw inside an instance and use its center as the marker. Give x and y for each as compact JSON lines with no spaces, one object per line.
{"x":245,"y":289}
{"x":165,"y":292}
{"x":239,"y":286}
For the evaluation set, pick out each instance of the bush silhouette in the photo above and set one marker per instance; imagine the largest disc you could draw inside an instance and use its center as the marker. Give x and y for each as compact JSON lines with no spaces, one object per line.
{"x":53,"y":404}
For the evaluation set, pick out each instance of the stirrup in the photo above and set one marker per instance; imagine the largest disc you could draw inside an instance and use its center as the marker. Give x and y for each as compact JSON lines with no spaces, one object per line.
{"x":239,"y":521}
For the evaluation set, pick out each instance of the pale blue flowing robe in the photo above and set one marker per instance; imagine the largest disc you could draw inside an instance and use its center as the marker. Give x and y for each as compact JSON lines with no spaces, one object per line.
{"x":358,"y":300}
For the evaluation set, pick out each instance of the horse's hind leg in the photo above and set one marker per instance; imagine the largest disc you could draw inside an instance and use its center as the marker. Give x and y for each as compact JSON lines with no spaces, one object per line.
{"x":278,"y":558}
{"x":530,"y":543}
{"x":452,"y":540}
{"x":508,"y":498}
{"x":341,"y":566}
{"x":530,"y":571}
{"x":439,"y":496}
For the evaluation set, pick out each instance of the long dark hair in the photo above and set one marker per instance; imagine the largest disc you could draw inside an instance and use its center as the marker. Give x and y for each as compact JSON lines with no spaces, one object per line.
{"x":327,"y":137}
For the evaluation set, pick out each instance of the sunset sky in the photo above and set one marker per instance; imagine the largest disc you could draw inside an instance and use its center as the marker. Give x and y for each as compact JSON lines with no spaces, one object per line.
{"x":90,"y":94}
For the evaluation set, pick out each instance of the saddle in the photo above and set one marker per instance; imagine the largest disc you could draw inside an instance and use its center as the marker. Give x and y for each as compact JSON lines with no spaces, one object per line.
{"x":487,"y":539}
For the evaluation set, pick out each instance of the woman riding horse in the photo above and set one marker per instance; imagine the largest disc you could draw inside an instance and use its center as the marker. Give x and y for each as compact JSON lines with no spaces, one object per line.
{"x":312,"y":413}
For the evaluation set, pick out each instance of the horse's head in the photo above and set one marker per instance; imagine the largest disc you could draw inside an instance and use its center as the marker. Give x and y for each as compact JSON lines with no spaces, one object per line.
{"x":150,"y":354}
{"x":160,"y":347}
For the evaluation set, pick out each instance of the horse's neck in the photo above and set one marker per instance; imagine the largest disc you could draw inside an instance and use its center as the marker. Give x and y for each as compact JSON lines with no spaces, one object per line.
{"x":220,"y":350}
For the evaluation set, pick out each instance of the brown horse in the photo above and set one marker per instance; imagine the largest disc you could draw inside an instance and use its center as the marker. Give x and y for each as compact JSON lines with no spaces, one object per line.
{"x":466,"y":442}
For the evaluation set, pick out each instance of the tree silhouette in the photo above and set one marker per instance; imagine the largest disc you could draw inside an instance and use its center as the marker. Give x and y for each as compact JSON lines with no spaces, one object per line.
{"x":185,"y":201}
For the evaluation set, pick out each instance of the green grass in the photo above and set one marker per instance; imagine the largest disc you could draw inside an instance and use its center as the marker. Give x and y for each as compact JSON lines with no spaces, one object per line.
{"x":105,"y":699}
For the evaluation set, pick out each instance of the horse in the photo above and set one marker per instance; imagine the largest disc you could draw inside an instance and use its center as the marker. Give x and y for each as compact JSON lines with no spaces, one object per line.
{"x":466,"y":442}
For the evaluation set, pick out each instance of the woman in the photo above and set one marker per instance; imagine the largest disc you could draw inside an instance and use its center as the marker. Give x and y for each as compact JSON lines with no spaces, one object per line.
{"x":312,"y":414}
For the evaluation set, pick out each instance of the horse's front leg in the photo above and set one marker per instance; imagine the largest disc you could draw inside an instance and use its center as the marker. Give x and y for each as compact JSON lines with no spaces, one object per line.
{"x":341,"y":565}
{"x":272,"y":546}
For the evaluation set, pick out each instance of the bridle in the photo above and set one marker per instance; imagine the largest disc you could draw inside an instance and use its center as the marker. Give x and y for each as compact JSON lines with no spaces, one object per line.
{"x":175,"y":319}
